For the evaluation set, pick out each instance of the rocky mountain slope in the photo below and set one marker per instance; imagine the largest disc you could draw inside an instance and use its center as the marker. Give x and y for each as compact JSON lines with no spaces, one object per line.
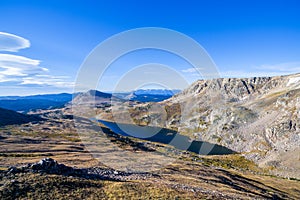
{"x":258,"y":117}
{"x":91,"y":97}
{"x":82,"y":175}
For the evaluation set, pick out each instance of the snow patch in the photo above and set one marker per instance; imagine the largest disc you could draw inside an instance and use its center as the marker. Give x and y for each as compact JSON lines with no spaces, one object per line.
{"x":293,"y":80}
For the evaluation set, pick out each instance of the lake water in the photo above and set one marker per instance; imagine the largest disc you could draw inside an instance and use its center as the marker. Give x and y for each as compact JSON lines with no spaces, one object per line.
{"x":166,"y":136}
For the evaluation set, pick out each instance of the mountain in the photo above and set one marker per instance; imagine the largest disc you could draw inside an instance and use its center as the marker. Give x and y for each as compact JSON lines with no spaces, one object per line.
{"x":52,"y":101}
{"x":34,"y":102}
{"x":258,"y":117}
{"x":9,"y":117}
{"x":50,"y":97}
{"x":91,"y":97}
{"x":162,"y":92}
{"x":149,"y":95}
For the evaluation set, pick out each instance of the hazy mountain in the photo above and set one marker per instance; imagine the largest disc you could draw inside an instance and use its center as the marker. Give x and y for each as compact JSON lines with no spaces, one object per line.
{"x":51,"y":101}
{"x":148,"y":95}
{"x":34,"y":102}
{"x":50,"y":97}
{"x":9,"y":117}
{"x":162,"y":92}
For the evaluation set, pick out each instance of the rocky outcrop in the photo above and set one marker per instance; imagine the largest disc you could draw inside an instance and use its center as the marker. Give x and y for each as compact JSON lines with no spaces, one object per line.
{"x":51,"y":166}
{"x":259,"y":117}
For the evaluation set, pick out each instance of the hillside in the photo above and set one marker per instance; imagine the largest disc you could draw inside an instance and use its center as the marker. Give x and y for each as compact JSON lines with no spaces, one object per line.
{"x":91,"y":97}
{"x":8,"y":117}
{"x":197,"y":112}
{"x":258,"y":117}
{"x":26,"y":173}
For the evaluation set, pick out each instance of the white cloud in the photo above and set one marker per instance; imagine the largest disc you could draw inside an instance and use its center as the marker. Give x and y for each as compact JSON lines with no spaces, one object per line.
{"x":192,"y":70}
{"x":4,"y":78}
{"x":247,"y":74}
{"x":265,"y":70}
{"x":18,"y":59}
{"x":48,"y":80}
{"x":289,"y":67}
{"x":25,"y":71}
{"x":12,"y":43}
{"x":22,"y":72}
{"x":18,"y":66}
{"x":257,"y":71}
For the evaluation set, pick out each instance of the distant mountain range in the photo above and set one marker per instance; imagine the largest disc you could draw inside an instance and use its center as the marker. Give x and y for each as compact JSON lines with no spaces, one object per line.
{"x":258,"y":117}
{"x":28,"y":103}
{"x":51,"y":101}
{"x":150,"y":95}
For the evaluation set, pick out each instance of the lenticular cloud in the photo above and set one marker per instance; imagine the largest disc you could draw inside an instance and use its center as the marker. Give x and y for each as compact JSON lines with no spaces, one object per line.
{"x":12,"y":43}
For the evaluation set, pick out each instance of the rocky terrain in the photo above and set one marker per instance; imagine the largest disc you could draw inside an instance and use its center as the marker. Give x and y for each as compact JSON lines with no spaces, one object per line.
{"x":27,"y":174}
{"x":258,"y":117}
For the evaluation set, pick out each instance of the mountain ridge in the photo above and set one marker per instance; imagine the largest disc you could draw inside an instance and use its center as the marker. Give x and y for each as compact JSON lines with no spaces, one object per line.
{"x":258,"y":117}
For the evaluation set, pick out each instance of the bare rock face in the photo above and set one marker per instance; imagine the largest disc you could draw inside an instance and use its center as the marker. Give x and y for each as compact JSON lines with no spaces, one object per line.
{"x":259,"y":117}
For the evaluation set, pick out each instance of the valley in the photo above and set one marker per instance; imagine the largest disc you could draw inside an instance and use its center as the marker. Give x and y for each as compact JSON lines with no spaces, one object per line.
{"x":238,"y":139}
{"x":254,"y":163}
{"x":190,"y":176}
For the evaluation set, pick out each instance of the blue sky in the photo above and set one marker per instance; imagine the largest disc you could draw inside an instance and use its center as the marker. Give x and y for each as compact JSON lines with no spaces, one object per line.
{"x":44,"y":42}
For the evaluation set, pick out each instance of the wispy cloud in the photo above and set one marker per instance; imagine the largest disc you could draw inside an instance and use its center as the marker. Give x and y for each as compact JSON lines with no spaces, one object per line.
{"x":48,"y":80}
{"x":18,"y":66}
{"x":247,"y":74}
{"x":256,"y":71}
{"x":192,"y":70}
{"x":288,"y":67}
{"x":266,"y":70}
{"x":12,"y":43}
{"x":21,"y":71}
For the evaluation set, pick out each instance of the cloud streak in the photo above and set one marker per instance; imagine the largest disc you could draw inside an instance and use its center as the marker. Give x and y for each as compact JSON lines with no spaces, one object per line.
{"x":192,"y":70}
{"x":257,"y":71}
{"x":289,"y":67}
{"x":12,"y":43}
{"x":248,"y":74}
{"x":12,"y":67}
{"x":48,"y":80}
{"x":26,"y":72}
